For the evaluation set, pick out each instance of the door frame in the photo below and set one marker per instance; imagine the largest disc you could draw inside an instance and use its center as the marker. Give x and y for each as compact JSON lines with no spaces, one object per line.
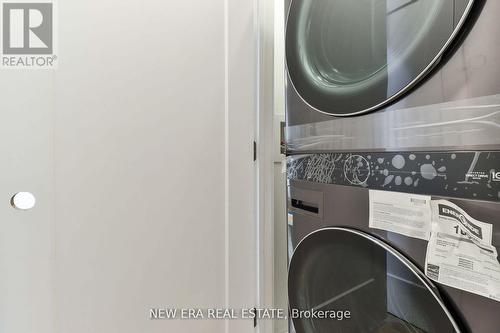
{"x":265,"y":160}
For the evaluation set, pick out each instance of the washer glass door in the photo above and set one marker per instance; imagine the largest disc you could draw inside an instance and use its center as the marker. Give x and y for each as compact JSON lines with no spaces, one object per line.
{"x":336,"y":270}
{"x":348,"y":57}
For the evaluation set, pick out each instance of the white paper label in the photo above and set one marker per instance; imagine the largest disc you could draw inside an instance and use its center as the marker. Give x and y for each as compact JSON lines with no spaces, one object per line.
{"x":460,"y":254}
{"x":402,"y":213}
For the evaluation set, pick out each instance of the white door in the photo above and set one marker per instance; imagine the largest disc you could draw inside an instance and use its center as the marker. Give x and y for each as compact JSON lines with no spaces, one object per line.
{"x":137,"y":149}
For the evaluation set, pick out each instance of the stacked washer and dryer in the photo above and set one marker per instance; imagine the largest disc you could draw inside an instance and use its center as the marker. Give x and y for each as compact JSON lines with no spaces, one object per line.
{"x":393,"y":112}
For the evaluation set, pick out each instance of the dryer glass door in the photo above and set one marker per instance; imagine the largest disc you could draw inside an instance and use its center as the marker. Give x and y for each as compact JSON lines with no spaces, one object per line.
{"x":336,"y":270}
{"x":348,"y":57}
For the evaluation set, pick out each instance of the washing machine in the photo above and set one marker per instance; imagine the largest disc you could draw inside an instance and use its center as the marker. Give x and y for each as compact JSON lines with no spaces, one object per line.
{"x":393,"y":171}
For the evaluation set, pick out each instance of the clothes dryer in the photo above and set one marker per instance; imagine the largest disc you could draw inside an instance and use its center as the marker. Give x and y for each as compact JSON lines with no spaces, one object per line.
{"x":392,"y":97}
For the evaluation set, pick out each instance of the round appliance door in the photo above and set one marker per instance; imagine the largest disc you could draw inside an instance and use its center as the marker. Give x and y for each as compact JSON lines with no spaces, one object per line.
{"x":348,"y":57}
{"x":337,"y":270}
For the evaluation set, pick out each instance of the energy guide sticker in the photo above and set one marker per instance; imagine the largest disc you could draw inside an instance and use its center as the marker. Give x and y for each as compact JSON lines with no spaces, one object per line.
{"x":460,"y":253}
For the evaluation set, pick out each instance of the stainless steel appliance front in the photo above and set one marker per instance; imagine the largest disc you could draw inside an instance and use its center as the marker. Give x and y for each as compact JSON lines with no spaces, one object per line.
{"x":453,"y":104}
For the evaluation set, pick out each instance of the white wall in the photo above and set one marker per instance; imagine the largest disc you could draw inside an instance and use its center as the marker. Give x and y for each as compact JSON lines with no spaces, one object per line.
{"x":280,"y":218}
{"x":139,"y":150}
{"x":272,"y":217}
{"x":241,"y":178}
{"x":279,"y":56}
{"x":265,"y":161}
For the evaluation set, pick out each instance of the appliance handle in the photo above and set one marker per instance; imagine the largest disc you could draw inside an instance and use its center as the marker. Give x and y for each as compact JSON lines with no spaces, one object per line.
{"x":307,"y":206}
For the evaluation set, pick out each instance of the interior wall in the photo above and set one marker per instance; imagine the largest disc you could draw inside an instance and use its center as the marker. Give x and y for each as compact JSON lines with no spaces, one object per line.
{"x":279,"y":56}
{"x":266,"y":151}
{"x":241,"y":177}
{"x":280,"y":224}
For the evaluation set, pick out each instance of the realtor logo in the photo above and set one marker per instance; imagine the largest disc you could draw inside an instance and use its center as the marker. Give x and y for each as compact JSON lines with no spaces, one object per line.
{"x":28,"y":39}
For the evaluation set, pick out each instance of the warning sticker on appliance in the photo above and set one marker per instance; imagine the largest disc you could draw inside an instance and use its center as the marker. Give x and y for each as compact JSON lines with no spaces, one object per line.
{"x":460,"y":253}
{"x":402,"y":213}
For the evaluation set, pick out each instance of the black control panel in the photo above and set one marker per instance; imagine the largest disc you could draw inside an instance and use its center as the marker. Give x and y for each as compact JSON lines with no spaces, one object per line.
{"x":469,"y":175}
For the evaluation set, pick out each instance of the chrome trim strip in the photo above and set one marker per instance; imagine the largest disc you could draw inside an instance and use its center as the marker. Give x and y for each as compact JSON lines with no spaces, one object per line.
{"x":408,"y":87}
{"x":421,"y":276}
{"x":453,"y":125}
